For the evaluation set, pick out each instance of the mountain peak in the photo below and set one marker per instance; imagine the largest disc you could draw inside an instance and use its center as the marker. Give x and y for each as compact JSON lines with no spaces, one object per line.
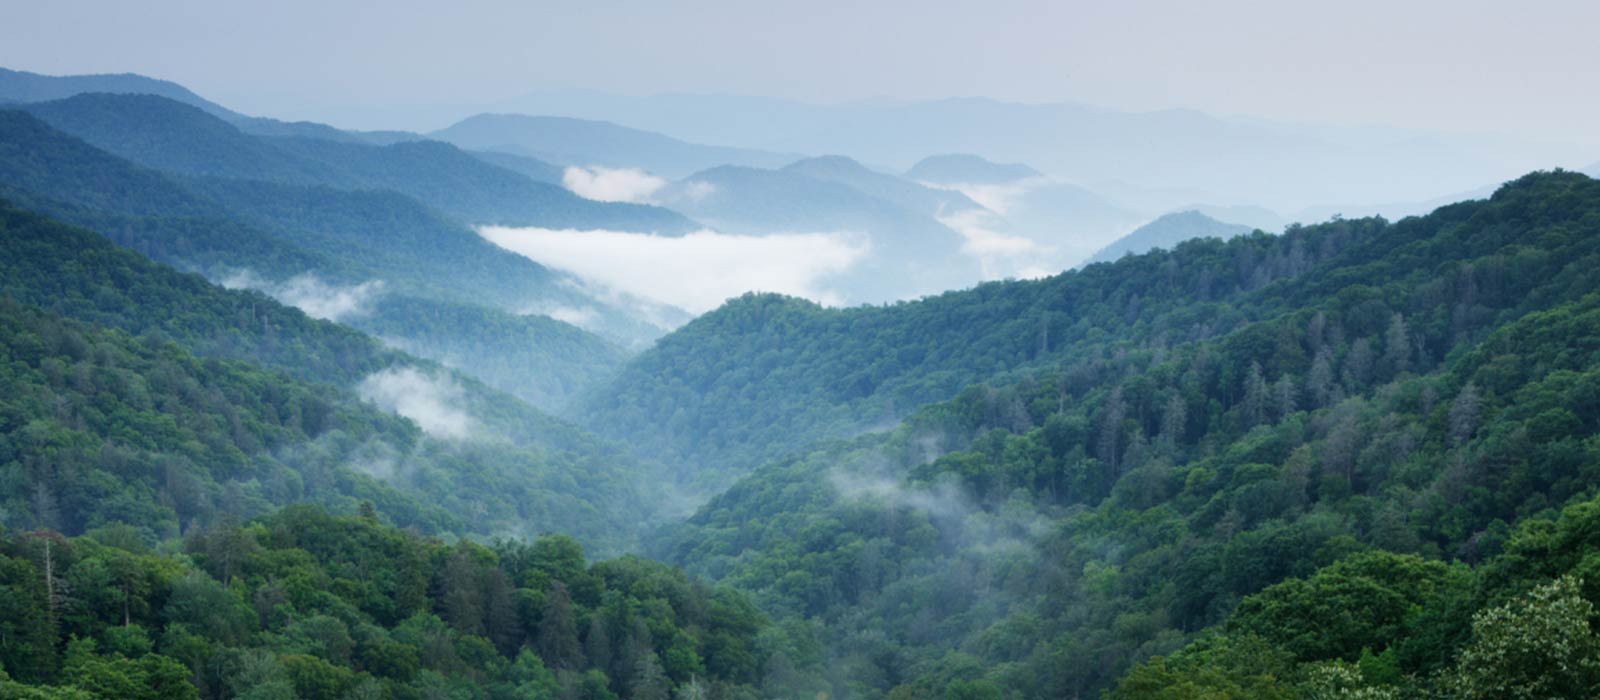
{"x":966,"y":168}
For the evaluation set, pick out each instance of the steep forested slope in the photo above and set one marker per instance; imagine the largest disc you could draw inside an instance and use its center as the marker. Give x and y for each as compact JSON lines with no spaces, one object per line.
{"x":1424,"y":392}
{"x":273,"y":233}
{"x":765,"y":375}
{"x":499,"y":467}
{"x":526,"y":355}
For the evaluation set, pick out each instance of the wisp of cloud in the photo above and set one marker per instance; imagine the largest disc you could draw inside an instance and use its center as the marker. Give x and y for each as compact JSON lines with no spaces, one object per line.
{"x":434,"y":403}
{"x":311,"y":294}
{"x":696,"y":272}
{"x":612,"y":184}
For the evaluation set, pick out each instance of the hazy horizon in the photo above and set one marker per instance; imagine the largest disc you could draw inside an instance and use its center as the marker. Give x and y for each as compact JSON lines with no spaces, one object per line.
{"x":1444,"y":67}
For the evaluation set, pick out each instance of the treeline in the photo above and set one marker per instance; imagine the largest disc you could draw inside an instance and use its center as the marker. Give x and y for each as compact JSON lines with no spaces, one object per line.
{"x":303,"y":604}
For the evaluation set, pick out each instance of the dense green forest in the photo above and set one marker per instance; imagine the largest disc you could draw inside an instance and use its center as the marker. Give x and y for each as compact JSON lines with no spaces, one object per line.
{"x":277,"y":232}
{"x":1360,"y":459}
{"x":303,"y":604}
{"x":526,"y":472}
{"x":765,"y":375}
{"x":1409,"y":416}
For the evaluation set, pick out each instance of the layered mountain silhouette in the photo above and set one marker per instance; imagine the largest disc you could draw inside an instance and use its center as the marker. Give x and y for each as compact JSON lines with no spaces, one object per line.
{"x":1166,"y":232}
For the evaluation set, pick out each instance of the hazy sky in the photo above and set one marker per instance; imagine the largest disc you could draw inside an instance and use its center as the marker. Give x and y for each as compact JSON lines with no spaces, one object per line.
{"x":1529,"y":67}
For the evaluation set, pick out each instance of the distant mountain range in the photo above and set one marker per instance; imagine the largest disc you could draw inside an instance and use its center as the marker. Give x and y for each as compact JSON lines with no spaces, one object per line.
{"x":910,"y":251}
{"x":970,"y":169}
{"x":1167,"y":232}
{"x":1198,"y":157}
{"x":588,"y":143}
{"x":167,"y":135}
{"x":323,"y":248}
{"x":1071,"y":220}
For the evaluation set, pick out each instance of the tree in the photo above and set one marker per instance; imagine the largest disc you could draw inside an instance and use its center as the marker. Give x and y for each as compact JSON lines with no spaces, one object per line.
{"x":1110,"y":438}
{"x":557,"y":639}
{"x":649,"y":682}
{"x":1255,"y":396}
{"x":1397,"y":346}
{"x":1464,"y":414}
{"x":1535,"y":647}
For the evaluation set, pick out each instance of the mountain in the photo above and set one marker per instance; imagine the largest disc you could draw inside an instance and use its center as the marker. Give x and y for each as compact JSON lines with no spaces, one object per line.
{"x":533,"y":168}
{"x":316,"y":247}
{"x":1198,"y":156}
{"x":1068,"y":221}
{"x":908,"y":253}
{"x":1167,"y":232}
{"x":536,"y":358}
{"x":22,"y":86}
{"x":1252,"y":216}
{"x":460,"y":457}
{"x":177,"y":138}
{"x":1260,"y":464}
{"x":901,"y":192}
{"x":964,"y":168}
{"x":593,"y":143}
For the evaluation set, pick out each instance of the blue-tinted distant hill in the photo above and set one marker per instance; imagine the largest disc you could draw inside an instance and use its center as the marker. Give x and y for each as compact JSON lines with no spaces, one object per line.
{"x":582,"y":142}
{"x":1198,"y":156}
{"x":23,"y":87}
{"x":968,"y":168}
{"x":536,"y":170}
{"x":174,"y":137}
{"x":909,"y":253}
{"x":902,"y":192}
{"x":1072,"y":220}
{"x":428,"y":266}
{"x":1167,"y":232}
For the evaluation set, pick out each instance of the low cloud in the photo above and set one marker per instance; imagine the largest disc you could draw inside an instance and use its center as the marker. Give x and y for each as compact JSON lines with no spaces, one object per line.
{"x":696,"y":272}
{"x":1016,"y":523}
{"x":311,"y":294}
{"x":696,"y":190}
{"x":612,"y":184}
{"x":998,"y":198}
{"x":434,"y":403}
{"x":999,"y":254}
{"x":583,"y":317}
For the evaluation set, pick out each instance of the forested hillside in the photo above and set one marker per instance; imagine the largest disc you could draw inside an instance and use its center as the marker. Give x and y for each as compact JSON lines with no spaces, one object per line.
{"x":1348,"y":469}
{"x":492,"y":464}
{"x":765,"y":375}
{"x":276,"y":423}
{"x":272,"y":234}
{"x":302,"y":604}
{"x":174,"y":137}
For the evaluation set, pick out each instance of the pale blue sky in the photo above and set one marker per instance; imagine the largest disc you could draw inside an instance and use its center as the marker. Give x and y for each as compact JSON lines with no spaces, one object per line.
{"x":1530,"y":68}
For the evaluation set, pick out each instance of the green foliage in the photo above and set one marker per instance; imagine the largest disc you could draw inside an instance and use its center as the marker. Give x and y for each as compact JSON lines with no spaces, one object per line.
{"x":97,"y":427}
{"x":1292,"y":465}
{"x":310,"y":605}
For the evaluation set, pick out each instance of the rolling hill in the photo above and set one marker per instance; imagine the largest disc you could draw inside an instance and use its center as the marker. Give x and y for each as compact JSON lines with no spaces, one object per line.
{"x":581,"y":142}
{"x":1167,"y":232}
{"x":173,"y":137}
